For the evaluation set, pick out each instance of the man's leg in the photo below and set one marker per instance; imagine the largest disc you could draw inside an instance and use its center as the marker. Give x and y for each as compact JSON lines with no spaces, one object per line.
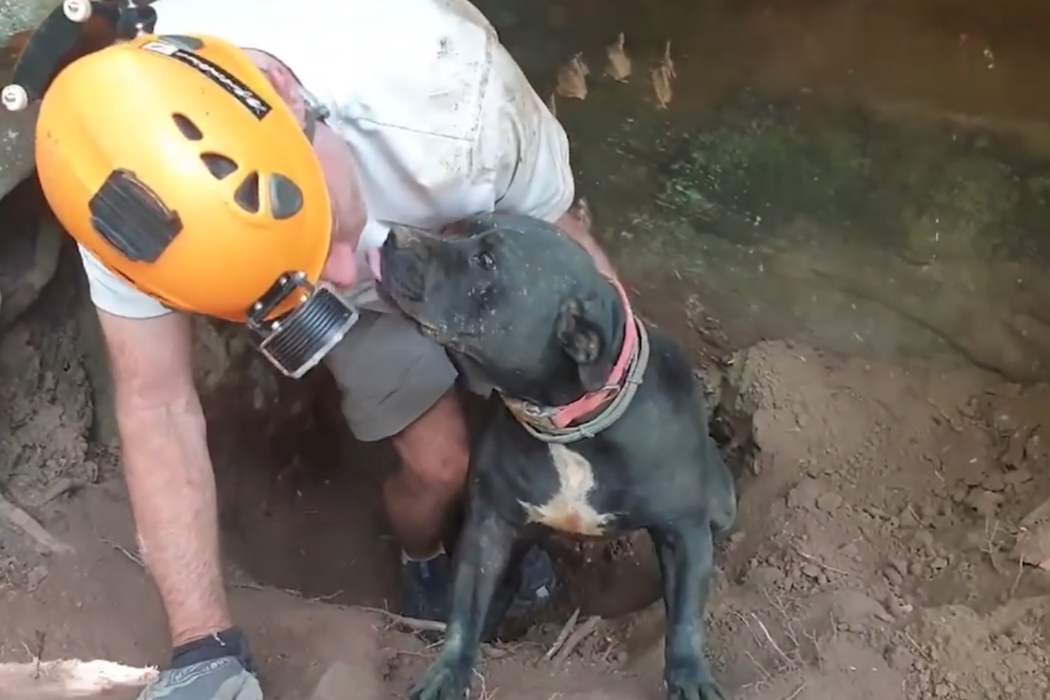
{"x":398,"y":384}
{"x":434,"y":454}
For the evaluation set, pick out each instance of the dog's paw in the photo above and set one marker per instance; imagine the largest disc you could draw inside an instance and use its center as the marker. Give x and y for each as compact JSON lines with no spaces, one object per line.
{"x":446,"y":679}
{"x":691,"y":679}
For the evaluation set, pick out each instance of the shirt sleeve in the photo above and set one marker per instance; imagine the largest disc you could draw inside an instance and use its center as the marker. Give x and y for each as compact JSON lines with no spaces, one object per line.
{"x":524,"y":146}
{"x":116,"y":296}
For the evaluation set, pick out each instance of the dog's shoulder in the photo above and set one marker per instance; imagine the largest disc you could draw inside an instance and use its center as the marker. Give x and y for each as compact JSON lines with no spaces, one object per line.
{"x":669,"y":374}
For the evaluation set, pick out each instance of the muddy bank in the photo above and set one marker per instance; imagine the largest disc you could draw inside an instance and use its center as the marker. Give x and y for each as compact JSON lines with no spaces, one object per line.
{"x":875,"y":555}
{"x":864,"y":177}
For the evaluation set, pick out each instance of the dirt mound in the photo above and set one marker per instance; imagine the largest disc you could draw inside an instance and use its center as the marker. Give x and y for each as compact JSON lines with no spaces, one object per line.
{"x":875,"y":556}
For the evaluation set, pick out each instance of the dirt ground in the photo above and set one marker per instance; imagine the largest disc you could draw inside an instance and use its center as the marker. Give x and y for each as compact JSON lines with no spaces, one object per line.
{"x":893,"y":512}
{"x":876,"y":554}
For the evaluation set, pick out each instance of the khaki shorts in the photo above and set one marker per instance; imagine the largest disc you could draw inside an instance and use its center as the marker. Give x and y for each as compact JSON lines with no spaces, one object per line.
{"x":389,"y":375}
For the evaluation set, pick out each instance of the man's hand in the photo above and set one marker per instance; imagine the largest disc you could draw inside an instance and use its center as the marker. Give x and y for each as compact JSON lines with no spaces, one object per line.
{"x":217,"y":667}
{"x":576,"y":224}
{"x":220,"y":679}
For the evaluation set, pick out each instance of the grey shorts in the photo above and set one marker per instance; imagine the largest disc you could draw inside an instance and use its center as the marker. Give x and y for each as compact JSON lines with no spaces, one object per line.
{"x":389,"y":375}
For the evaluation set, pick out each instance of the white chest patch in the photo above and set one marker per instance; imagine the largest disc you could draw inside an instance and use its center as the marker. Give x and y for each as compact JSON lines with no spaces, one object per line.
{"x":569,"y":510}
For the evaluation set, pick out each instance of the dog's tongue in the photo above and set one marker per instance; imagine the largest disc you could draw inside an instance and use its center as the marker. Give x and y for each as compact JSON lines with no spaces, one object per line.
{"x":373,"y":258}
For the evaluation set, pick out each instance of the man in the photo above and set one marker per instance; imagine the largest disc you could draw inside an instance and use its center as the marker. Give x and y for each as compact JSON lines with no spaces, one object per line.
{"x":425,"y":119}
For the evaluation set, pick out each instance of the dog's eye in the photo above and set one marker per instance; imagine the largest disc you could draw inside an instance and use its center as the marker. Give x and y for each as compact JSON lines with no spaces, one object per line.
{"x":485,"y":260}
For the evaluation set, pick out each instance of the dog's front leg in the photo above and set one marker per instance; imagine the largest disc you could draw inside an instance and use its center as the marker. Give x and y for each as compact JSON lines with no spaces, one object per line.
{"x":481,"y":559}
{"x":686,"y":555}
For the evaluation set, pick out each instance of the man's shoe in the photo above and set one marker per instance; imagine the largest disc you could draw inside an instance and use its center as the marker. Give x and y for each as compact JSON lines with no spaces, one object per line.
{"x":426,"y":587}
{"x":538,"y":582}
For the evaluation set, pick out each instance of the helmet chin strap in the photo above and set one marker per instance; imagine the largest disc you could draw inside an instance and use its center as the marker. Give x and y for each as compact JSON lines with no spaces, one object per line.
{"x":315,"y":112}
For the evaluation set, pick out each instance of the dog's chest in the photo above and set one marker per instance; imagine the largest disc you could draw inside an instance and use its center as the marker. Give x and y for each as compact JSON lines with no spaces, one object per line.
{"x":571,"y":507}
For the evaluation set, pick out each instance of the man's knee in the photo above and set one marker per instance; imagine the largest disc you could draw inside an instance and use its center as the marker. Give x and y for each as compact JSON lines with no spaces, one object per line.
{"x":434,"y":448}
{"x":389,"y":375}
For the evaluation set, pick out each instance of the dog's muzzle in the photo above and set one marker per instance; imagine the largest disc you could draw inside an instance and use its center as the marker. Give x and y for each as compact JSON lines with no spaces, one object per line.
{"x":295,"y":342}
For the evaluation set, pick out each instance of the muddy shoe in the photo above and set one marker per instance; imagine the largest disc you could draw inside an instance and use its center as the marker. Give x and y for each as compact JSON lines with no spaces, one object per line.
{"x":426,"y":588}
{"x":538,"y":582}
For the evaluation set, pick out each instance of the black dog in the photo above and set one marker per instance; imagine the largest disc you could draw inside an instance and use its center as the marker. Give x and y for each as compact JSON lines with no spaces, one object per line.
{"x":599,"y":427}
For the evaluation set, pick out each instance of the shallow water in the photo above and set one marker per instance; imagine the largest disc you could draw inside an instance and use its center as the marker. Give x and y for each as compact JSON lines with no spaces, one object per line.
{"x":869,"y":177}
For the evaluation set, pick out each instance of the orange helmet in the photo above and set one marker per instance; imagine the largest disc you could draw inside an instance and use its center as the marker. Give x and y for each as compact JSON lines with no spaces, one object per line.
{"x":176,"y":163}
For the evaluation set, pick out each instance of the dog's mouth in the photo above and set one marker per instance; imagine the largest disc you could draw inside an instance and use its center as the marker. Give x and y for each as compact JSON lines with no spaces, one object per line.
{"x":401,"y":277}
{"x":434,"y":331}
{"x":402,"y":284}
{"x":400,"y":269}
{"x":454,"y":340}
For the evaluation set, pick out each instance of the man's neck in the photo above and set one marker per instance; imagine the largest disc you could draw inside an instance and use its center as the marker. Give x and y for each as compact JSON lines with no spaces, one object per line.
{"x":340,"y":170}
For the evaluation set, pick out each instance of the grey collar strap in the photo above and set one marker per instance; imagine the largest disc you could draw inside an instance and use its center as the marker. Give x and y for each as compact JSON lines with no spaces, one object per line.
{"x":535,"y":421}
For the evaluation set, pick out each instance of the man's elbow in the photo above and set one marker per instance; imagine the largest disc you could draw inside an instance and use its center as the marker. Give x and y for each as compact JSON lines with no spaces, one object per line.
{"x":150,"y":365}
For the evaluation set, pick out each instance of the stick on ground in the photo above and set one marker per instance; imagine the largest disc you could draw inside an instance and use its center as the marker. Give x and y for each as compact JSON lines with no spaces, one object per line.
{"x":409,"y":622}
{"x":563,"y":635}
{"x":21,"y":520}
{"x":576,"y":638}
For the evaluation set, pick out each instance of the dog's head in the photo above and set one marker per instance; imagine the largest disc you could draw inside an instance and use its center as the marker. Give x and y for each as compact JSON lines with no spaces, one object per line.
{"x":522,"y":302}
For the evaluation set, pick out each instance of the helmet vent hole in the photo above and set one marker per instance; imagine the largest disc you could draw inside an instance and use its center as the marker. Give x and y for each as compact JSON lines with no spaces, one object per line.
{"x":247,"y":194}
{"x":286,"y":199}
{"x":187,"y":127}
{"x":218,"y":165}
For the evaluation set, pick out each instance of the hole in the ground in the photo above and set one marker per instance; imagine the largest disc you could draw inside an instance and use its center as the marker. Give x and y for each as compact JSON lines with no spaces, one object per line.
{"x":301,"y":504}
{"x":301,"y":501}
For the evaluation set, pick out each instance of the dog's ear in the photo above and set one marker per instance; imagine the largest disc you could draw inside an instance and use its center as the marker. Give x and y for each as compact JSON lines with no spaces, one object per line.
{"x":586,"y":340}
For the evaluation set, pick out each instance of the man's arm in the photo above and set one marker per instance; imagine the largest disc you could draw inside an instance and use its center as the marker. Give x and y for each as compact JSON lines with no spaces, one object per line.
{"x":576,"y":223}
{"x":168,"y":469}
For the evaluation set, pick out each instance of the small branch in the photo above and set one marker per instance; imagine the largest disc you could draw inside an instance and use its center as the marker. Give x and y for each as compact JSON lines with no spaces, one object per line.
{"x":409,"y":622}
{"x":578,"y":635}
{"x":566,"y":630}
{"x":125,"y":551}
{"x":21,"y":520}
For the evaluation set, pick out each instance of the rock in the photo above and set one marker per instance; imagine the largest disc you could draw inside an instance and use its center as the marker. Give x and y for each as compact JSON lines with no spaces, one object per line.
{"x":806,"y":494}
{"x":985,"y":502}
{"x":907,"y":518}
{"x":766,"y":577}
{"x":345,"y":682}
{"x":854,"y":607}
{"x":30,"y":243}
{"x":924,"y":539}
{"x":34,"y":577}
{"x":1033,"y":546}
{"x":994,"y":482}
{"x":899,"y":657}
{"x":1023,"y":445}
{"x":1017,"y":477}
{"x":829,"y":502}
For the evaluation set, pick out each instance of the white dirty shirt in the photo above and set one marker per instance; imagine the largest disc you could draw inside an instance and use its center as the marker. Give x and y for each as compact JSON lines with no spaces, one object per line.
{"x":442,"y":121}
